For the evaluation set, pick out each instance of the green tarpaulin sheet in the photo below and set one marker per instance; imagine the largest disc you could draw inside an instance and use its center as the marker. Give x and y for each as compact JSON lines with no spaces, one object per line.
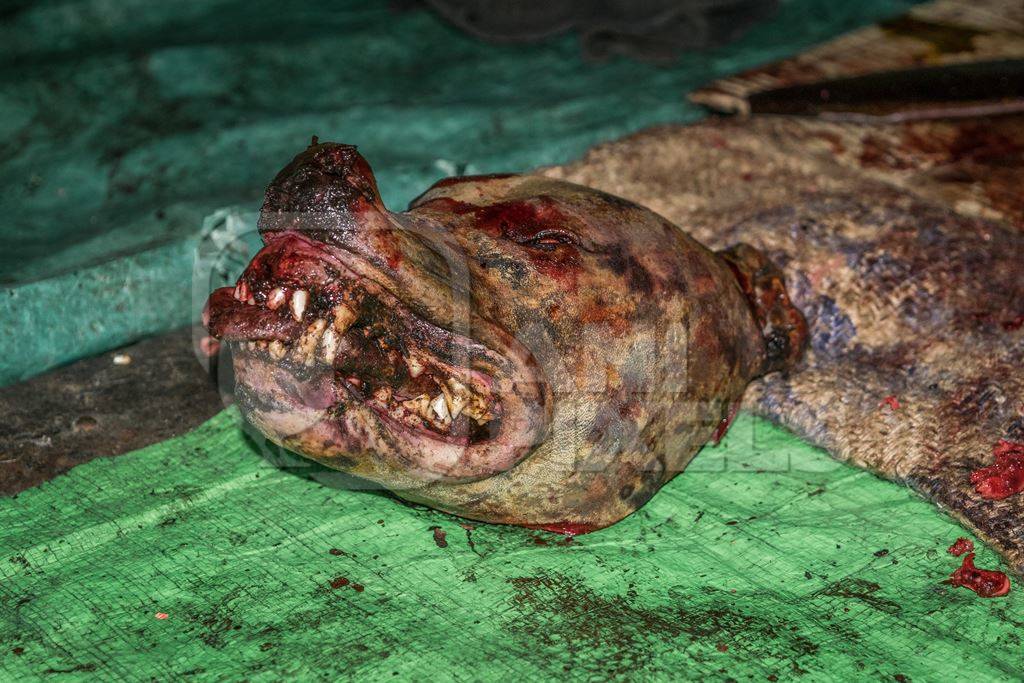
{"x":765,"y":558}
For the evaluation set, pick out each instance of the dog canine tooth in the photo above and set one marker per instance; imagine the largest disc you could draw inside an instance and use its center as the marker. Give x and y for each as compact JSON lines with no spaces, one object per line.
{"x":275,"y":298}
{"x":298,"y":303}
{"x":242,"y":292}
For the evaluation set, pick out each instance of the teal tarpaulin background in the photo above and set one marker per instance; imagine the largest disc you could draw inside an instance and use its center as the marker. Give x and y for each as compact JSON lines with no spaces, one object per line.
{"x":124,"y":124}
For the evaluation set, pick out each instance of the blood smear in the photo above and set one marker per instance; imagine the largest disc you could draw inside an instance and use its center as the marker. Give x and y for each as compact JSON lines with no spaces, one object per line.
{"x":1006,"y":476}
{"x":961,"y":546}
{"x":891,"y":401}
{"x":986,"y":583}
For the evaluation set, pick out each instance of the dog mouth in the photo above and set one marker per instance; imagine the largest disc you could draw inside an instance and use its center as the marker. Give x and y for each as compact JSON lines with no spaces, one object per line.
{"x":307,"y":313}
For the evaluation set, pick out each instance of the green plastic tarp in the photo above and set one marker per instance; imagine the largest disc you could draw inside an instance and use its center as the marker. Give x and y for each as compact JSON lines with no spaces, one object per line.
{"x":211,"y":556}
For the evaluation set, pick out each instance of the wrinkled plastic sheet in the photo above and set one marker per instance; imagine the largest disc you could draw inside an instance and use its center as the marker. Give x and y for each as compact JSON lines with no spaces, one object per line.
{"x":212,"y":556}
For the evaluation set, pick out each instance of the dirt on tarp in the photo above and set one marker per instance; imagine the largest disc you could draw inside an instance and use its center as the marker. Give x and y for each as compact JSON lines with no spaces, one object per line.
{"x":212,"y":554}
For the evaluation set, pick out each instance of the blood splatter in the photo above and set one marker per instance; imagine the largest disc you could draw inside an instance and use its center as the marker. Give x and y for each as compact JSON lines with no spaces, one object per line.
{"x":161,"y":615}
{"x":961,"y":546}
{"x":565,"y":528}
{"x":724,"y":425}
{"x":1006,"y":476}
{"x":440,"y":537}
{"x":985,"y":582}
{"x":891,"y":401}
{"x":339,"y":582}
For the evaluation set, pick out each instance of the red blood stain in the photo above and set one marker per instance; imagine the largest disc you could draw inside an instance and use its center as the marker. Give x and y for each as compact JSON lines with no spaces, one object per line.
{"x":439,"y":537}
{"x":891,"y":401}
{"x":961,"y":546}
{"x":1014,"y":324}
{"x":161,"y":615}
{"x":357,"y":587}
{"x":339,"y":582}
{"x":522,"y":221}
{"x":722,"y":647}
{"x":449,"y":205}
{"x":1006,"y":476}
{"x":565,"y":528}
{"x":724,"y":425}
{"x":446,"y":182}
{"x":986,"y":583}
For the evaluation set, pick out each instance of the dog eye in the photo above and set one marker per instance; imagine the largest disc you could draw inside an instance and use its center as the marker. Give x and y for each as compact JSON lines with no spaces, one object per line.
{"x":550,"y":239}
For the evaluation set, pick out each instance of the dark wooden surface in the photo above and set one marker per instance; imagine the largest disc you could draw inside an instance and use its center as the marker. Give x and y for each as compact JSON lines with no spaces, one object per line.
{"x":96,"y":407}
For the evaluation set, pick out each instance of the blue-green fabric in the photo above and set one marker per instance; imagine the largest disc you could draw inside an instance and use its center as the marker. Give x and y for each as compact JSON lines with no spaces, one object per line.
{"x":125,"y":124}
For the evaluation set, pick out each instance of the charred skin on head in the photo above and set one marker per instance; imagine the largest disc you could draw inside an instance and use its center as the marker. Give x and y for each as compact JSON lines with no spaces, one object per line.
{"x":511,"y":349}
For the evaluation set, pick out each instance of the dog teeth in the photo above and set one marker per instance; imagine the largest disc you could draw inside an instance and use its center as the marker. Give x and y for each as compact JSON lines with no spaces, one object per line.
{"x":440,"y":407}
{"x":275,"y":298}
{"x":419,"y":405}
{"x":242,"y":292}
{"x":329,"y":346}
{"x":298,"y":304}
{"x":306,"y":346}
{"x":458,"y":387}
{"x":322,"y":340}
{"x":456,"y":402}
{"x":343,"y":318}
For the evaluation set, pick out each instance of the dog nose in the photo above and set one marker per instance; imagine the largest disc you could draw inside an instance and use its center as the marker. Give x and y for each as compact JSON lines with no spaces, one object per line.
{"x":329,"y":186}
